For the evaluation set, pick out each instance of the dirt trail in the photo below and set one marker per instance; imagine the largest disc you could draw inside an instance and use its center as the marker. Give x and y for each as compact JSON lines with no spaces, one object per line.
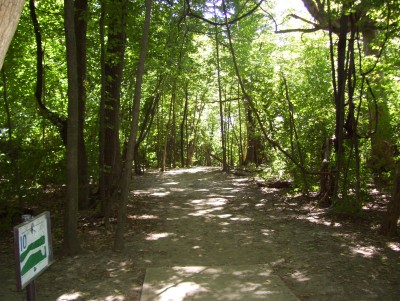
{"x":208,"y":218}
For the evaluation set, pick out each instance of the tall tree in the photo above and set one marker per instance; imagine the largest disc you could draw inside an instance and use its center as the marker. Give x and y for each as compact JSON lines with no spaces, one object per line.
{"x":71,"y":242}
{"x":221,"y":111}
{"x":127,"y":170}
{"x":81,"y":18}
{"x":355,"y":16}
{"x":110,"y":111}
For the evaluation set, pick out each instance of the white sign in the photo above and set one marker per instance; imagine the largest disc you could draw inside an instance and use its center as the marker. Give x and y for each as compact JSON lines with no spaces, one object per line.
{"x":33,"y":248}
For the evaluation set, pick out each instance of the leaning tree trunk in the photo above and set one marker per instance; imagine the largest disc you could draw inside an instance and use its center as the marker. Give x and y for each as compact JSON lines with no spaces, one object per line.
{"x":56,"y":119}
{"x":145,"y":128}
{"x":127,"y":171}
{"x":10,"y":11}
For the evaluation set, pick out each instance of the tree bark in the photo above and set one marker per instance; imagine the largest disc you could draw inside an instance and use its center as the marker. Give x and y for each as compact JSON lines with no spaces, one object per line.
{"x":102,"y":189}
{"x":389,"y":224}
{"x":145,"y":128}
{"x":12,"y":151}
{"x":10,"y":12}
{"x":113,"y":72}
{"x":166,"y":135}
{"x":340,"y":98}
{"x":71,"y":242}
{"x":81,"y":11}
{"x":58,"y":121}
{"x":127,"y":170}
{"x":221,"y":111}
{"x":182,"y":126}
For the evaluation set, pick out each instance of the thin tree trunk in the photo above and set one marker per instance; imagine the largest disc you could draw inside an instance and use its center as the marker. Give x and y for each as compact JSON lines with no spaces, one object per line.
{"x":173,"y":151}
{"x":221,"y":112}
{"x":381,"y":158}
{"x":241,"y":157}
{"x":184,"y":121}
{"x":71,"y":242}
{"x":165,"y":149}
{"x":293,"y":131}
{"x":127,"y":170}
{"x":54,"y":118}
{"x":145,"y":128}
{"x":12,"y":151}
{"x":247,"y":97}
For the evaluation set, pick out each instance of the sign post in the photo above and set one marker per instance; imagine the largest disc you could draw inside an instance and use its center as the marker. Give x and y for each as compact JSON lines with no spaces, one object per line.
{"x":33,"y":251}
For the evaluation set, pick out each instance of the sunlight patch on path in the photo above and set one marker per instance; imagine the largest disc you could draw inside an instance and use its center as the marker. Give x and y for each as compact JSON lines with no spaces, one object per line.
{"x":394,"y":246}
{"x":365,"y":251}
{"x":189,"y":170}
{"x":157,"y":236}
{"x":69,"y":297}
{"x":245,"y":282}
{"x":204,"y":207}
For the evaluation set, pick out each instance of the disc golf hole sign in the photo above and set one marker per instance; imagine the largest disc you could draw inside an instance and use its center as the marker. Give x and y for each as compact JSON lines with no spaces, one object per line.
{"x":33,"y":248}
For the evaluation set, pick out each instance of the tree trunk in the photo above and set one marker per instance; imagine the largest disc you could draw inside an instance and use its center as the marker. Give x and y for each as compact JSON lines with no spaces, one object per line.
{"x":12,"y":151}
{"x":102,"y":189}
{"x":326,"y":178}
{"x":54,"y":118}
{"x":10,"y":11}
{"x":145,"y":128}
{"x":127,"y":171}
{"x":251,"y":152}
{"x":240,"y":148}
{"x":182,"y":127}
{"x":381,"y":157}
{"x":81,"y":11}
{"x":249,"y":99}
{"x":389,"y":224}
{"x":221,"y":112}
{"x":340,"y":98}
{"x":173,"y":152}
{"x":113,"y":72}
{"x":166,"y":135}
{"x":295,"y":136}
{"x":71,"y":242}
{"x":190,"y":153}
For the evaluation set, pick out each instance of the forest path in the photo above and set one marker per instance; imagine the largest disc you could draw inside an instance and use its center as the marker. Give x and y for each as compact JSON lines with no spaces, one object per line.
{"x":204,"y":217}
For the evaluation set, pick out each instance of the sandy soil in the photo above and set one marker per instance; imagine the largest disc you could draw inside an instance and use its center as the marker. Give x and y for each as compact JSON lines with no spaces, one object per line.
{"x":203,"y":217}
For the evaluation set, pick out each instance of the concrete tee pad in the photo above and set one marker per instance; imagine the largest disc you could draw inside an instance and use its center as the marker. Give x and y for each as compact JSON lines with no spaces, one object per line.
{"x":244,"y":282}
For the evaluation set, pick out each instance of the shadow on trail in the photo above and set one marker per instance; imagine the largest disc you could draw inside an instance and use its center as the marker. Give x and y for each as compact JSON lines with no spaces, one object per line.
{"x":203,"y":217}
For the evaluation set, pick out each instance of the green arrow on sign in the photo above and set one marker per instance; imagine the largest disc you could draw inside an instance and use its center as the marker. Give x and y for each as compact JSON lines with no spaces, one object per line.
{"x":33,"y":258}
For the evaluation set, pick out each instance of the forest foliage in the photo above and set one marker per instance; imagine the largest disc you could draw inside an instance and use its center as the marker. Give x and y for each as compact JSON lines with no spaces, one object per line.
{"x":310,"y":95}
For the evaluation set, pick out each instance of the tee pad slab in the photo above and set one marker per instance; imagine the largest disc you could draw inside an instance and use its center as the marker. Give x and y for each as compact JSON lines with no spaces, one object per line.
{"x":242,"y":282}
